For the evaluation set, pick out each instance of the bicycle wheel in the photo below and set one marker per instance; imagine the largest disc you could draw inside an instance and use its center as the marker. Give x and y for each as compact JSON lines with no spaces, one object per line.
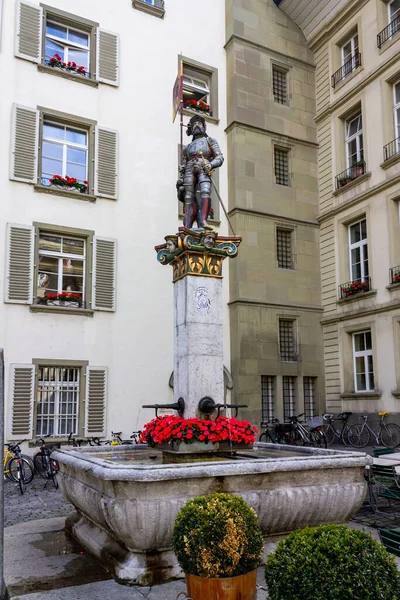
{"x":7,"y":471}
{"x":390,"y":435}
{"x":265,"y":437}
{"x":359,"y":436}
{"x":40,"y":462}
{"x":329,"y":433}
{"x":26,"y":470}
{"x":21,"y":477}
{"x":318,"y":439}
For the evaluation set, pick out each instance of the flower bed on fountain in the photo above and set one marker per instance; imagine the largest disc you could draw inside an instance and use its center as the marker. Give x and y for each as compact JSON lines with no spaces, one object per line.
{"x":198,"y":435}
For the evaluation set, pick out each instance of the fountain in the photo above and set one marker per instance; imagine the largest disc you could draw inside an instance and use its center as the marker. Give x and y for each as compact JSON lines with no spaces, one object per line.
{"x":127,"y":497}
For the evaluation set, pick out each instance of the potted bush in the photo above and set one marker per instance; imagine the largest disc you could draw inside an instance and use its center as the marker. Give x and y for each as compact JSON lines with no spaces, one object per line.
{"x":331,"y":562}
{"x":218,"y":543}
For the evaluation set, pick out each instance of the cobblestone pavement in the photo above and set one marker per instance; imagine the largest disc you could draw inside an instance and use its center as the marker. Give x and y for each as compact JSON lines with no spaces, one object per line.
{"x":38,"y":502}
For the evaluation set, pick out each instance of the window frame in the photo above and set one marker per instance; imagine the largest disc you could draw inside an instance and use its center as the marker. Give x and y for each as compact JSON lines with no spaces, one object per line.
{"x":65,"y":145}
{"x":198,"y":70}
{"x":79,"y":364}
{"x":362,"y":243}
{"x":311,"y":382}
{"x":390,"y":18}
{"x":354,"y":49}
{"x":357,"y":137}
{"x":294,"y":350}
{"x":268,"y":406}
{"x":396,"y":111}
{"x":365,"y":354}
{"x":278,"y":69}
{"x":291,"y":380}
{"x":64,"y":18}
{"x":84,"y":234}
{"x":286,"y":152}
{"x":291,"y":233}
{"x":73,"y":121}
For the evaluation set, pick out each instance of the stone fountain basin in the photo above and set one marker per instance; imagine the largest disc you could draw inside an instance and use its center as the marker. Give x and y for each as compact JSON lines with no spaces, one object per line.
{"x":127,"y":502}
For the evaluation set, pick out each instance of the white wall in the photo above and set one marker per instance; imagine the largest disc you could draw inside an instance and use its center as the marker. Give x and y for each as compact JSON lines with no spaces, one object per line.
{"x":135,"y":342}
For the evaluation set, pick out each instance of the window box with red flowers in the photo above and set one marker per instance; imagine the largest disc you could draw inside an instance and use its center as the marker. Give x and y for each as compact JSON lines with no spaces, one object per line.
{"x":198,"y":106}
{"x":69,"y":67}
{"x":174,"y":434}
{"x":352,"y":288}
{"x":67,"y":299}
{"x":69,"y":183}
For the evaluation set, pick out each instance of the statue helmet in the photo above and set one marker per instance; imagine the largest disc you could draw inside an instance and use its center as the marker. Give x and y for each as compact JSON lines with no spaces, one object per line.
{"x":192,"y":121}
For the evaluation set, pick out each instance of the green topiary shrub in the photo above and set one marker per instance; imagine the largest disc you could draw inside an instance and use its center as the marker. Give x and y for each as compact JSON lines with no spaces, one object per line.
{"x":217,"y":536}
{"x":331,"y":562}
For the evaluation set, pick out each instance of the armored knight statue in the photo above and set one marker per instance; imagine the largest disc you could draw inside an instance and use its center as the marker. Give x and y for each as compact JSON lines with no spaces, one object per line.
{"x":200,"y":157}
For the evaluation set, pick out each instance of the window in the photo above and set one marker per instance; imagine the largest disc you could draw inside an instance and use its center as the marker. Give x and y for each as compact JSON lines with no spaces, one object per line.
{"x":61,"y":270}
{"x":281,"y":163}
{"x":64,"y":153}
{"x":350,"y":55}
{"x":153,"y":7}
{"x":287,"y":348}
{"x":58,"y":393}
{"x":394,"y":12}
{"x":396,"y":91}
{"x":71,"y":45}
{"x":289,"y":396}
{"x":284,"y":248}
{"x":354,"y":141}
{"x":309,"y":384}
{"x":200,"y":86}
{"x":66,"y":44}
{"x":358,"y":251}
{"x":363,"y":362}
{"x":279,"y":85}
{"x":267,"y":397}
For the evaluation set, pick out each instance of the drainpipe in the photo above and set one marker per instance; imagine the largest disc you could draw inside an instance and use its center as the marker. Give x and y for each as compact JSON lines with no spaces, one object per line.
{"x":3,"y":590}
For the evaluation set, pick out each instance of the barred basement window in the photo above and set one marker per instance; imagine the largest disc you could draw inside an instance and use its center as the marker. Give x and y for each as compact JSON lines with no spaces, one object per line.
{"x":284,"y":248}
{"x":57,"y":401}
{"x":287,"y":341}
{"x":289,"y":396}
{"x":267,"y":397}
{"x":309,"y":396}
{"x":281,"y":162}
{"x":279,"y":85}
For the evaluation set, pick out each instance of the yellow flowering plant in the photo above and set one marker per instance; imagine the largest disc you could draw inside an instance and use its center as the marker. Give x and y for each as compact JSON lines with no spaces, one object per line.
{"x":217,"y":536}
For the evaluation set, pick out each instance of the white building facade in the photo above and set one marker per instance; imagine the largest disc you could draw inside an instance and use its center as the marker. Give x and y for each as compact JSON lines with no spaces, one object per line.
{"x":87,"y":95}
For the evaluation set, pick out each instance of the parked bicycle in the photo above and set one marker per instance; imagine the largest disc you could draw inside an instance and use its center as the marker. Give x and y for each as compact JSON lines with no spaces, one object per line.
{"x":9,"y":454}
{"x":270,"y":435}
{"x":76,"y":443}
{"x":19,"y":468}
{"x":116,"y":440}
{"x":46,"y":466}
{"x":293,"y":433}
{"x":388,"y":433}
{"x":331,"y":432}
{"x":136,"y":436}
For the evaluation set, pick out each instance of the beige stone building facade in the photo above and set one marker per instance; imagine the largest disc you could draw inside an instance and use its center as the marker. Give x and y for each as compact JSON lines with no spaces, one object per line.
{"x":275,"y":287}
{"x":355,"y":44}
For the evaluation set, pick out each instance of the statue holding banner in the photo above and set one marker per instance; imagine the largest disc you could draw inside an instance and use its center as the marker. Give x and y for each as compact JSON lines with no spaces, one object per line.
{"x":199,"y":159}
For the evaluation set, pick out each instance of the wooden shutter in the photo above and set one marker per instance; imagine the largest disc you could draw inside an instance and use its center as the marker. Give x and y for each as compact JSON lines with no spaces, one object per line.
{"x":104,"y":273}
{"x":18,"y":286}
{"x":24,"y":144}
{"x":22,"y":390}
{"x":107,"y":57}
{"x":106,"y":163}
{"x":28,"y":36}
{"x":96,"y":398}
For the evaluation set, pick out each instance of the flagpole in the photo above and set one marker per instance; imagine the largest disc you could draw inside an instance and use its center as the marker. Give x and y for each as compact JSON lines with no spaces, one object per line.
{"x":181,"y":104}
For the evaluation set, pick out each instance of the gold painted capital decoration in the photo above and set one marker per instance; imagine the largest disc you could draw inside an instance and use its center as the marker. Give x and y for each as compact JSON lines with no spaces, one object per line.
{"x":192,"y":252}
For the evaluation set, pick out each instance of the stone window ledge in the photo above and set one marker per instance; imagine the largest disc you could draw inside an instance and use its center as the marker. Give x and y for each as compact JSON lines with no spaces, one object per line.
{"x":352,"y":184}
{"x":390,"y":161}
{"x":361,"y":395}
{"x":396,"y":393}
{"x":208,"y":118}
{"x":149,"y":8}
{"x":44,"y":189}
{"x":66,"y":75}
{"x":348,"y":78}
{"x":393,"y":286}
{"x":84,"y":312}
{"x":358,"y":296}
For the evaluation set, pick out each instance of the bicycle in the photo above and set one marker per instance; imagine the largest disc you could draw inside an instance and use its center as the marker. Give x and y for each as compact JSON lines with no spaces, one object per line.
{"x":45,"y":466}
{"x":136,"y":436}
{"x":75,"y":443}
{"x":9,"y":454}
{"x":19,"y":468}
{"x":277,"y":436}
{"x":116,"y":440}
{"x":388,"y":434}
{"x":301,"y":436}
{"x":330,"y":431}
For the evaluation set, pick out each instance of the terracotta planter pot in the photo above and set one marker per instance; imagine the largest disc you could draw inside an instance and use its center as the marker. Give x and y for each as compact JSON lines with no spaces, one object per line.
{"x":241,"y":587}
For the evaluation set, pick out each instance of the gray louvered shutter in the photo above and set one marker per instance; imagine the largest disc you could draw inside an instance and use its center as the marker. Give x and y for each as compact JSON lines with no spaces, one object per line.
{"x":28,"y":35}
{"x":107,"y":57}
{"x":22,"y":389}
{"x":106,"y":163}
{"x":96,"y":399}
{"x":104,"y":273}
{"x":18,"y":287}
{"x":24,"y":144}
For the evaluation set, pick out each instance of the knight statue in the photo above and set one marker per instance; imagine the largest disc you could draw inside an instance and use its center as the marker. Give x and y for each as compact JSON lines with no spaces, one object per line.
{"x":200,"y":157}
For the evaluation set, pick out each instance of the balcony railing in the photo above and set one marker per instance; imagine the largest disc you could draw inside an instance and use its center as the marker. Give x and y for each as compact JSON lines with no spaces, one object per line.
{"x":394,"y":275}
{"x":350,"y":174}
{"x":391,"y":149}
{"x":346,"y":69}
{"x":388,"y":32}
{"x":352,"y":288}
